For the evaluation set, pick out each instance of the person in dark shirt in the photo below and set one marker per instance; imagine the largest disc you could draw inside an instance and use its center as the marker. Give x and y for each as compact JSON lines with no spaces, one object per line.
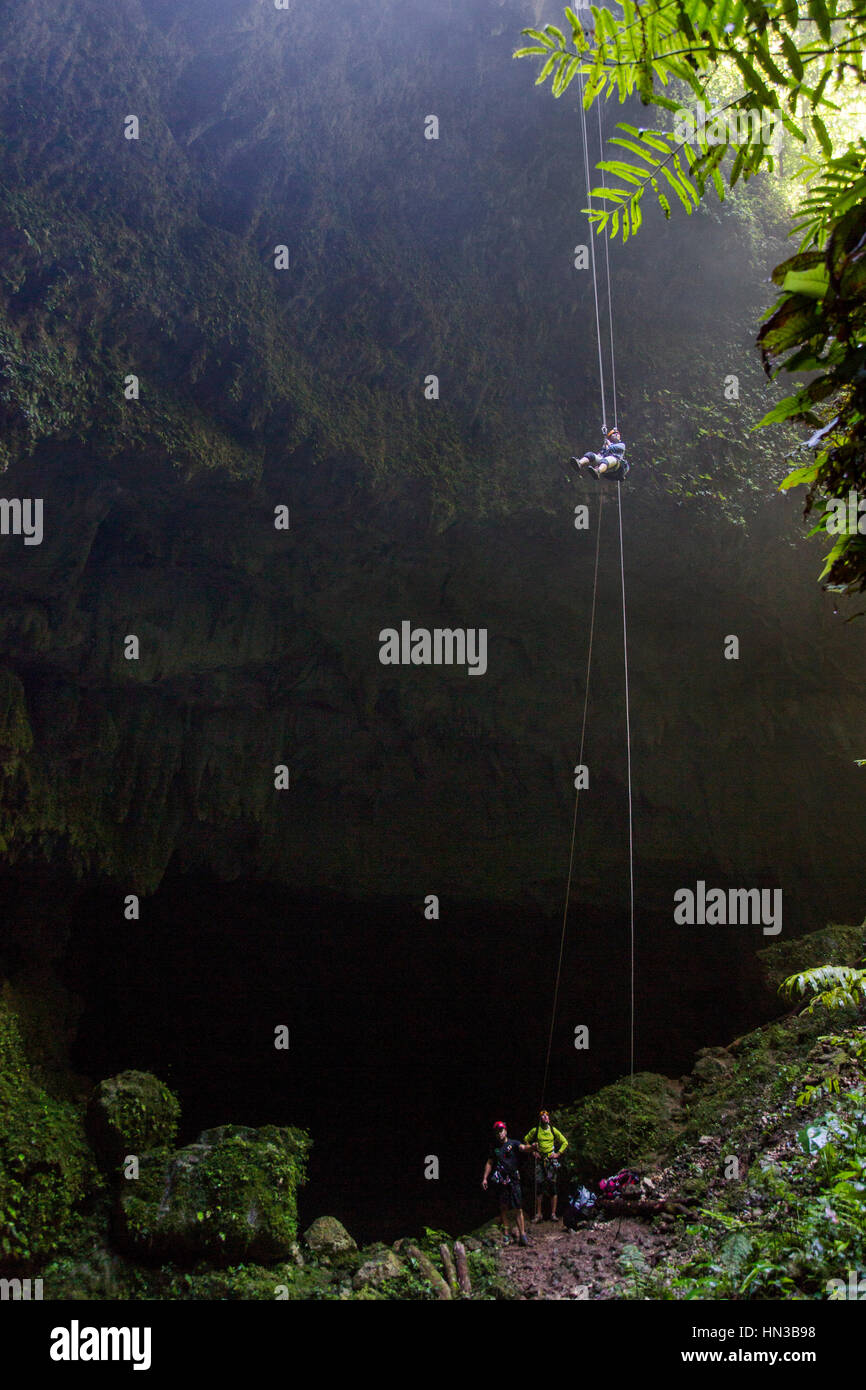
{"x":502,"y":1169}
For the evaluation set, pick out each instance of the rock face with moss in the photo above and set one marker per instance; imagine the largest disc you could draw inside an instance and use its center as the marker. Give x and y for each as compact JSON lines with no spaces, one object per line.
{"x":230,"y":1196}
{"x":835,"y":944}
{"x":626,"y":1122}
{"x":45,"y":1165}
{"x":131,"y":1114}
{"x":305,"y":389}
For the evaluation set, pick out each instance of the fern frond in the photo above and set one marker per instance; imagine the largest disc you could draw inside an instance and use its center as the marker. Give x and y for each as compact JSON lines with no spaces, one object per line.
{"x":832,"y":986}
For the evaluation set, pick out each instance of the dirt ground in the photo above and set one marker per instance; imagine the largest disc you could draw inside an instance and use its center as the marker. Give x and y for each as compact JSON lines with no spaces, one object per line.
{"x":581,"y":1264}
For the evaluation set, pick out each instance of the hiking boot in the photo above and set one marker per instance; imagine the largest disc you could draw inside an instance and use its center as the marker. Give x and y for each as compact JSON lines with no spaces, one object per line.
{"x":536,"y":1219}
{"x":524,"y":1240}
{"x":554,"y":1217}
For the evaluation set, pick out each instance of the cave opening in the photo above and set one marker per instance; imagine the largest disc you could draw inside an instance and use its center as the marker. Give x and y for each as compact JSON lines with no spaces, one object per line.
{"x":407,"y":1037}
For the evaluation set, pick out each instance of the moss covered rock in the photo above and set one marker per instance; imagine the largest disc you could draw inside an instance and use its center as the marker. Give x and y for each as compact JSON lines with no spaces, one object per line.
{"x":229,"y":1197}
{"x":835,"y":944}
{"x":327,"y":1236}
{"x":45,"y":1164}
{"x":771,"y":1064}
{"x":711,"y":1063}
{"x":626,"y":1122}
{"x":132,"y":1113}
{"x":91,"y":1272}
{"x":381,"y":1265}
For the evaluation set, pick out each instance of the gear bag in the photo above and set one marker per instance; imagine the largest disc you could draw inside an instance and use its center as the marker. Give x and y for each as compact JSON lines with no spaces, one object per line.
{"x":578,"y":1206}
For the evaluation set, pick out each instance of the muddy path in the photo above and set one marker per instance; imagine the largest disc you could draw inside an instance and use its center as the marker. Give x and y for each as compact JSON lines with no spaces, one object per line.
{"x":583,"y":1264}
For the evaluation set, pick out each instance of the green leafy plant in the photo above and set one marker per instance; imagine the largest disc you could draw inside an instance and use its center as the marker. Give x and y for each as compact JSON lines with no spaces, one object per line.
{"x":787,"y":68}
{"x":804,"y":1226}
{"x":818,"y":326}
{"x":831,"y":986}
{"x":796,"y":70}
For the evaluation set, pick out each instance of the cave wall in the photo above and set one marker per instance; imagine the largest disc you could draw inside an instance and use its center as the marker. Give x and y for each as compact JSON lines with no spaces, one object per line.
{"x":259,"y":646}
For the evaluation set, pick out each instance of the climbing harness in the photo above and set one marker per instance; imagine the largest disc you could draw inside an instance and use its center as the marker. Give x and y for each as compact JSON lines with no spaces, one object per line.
{"x":570,"y":876}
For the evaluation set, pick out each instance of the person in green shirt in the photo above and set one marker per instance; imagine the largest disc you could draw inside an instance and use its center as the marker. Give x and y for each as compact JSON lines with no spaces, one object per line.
{"x":551,"y":1145}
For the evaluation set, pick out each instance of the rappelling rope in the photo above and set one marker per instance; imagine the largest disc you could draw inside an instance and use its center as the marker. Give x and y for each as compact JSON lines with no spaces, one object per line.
{"x":607,"y":270}
{"x":585,"y":142}
{"x":625,"y":668}
{"x":576,"y":804}
{"x":630,"y":814}
{"x":592,"y":248}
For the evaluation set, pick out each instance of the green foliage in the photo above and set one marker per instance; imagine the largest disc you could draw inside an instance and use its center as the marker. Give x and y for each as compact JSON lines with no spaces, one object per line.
{"x":247,"y":1281}
{"x":486,"y":1275}
{"x":412,"y":1285}
{"x":832,"y":987}
{"x":230,"y":1196}
{"x":846,"y":1055}
{"x":619,"y":1124}
{"x":807,"y":1226}
{"x":767,"y":1062}
{"x":430,"y":1241}
{"x":791,"y":69}
{"x":819,"y":326}
{"x":131,"y":1114}
{"x":787,"y":68}
{"x":836,"y":944}
{"x":45,"y":1166}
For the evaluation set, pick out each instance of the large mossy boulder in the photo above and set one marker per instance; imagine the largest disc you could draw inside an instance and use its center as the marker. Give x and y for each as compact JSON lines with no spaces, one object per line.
{"x":835,"y":944}
{"x":629,"y":1121}
{"x":45,"y":1164}
{"x":133,"y":1113}
{"x":229,"y":1197}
